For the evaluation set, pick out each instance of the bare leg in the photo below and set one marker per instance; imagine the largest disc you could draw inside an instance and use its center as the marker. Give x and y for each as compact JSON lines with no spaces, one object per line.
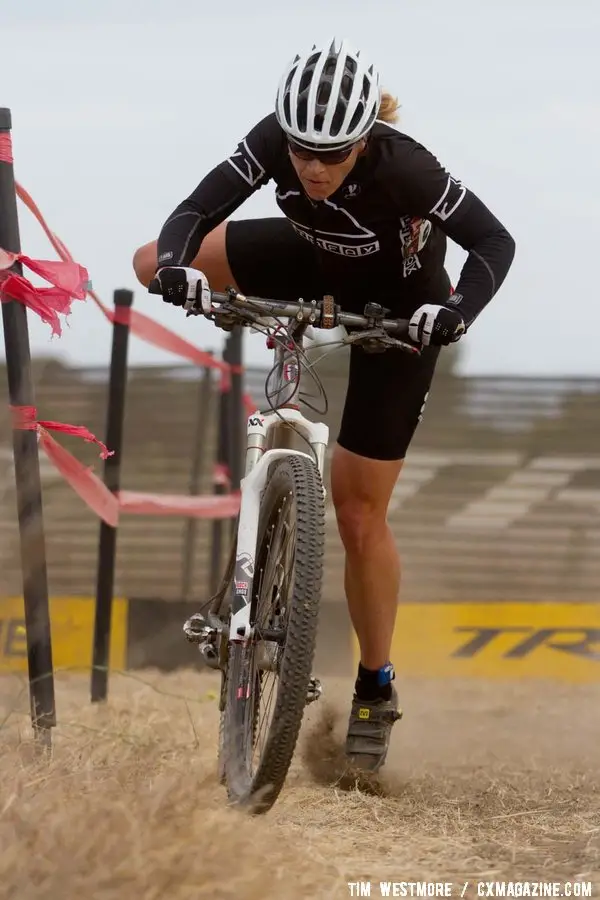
{"x":211,"y":259}
{"x":361,"y":490}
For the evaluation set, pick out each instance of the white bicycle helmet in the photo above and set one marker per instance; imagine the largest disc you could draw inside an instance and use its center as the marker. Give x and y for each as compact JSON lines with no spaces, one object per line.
{"x":328,"y":98}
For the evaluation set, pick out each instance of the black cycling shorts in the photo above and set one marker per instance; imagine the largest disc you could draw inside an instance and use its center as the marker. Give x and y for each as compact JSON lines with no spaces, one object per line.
{"x":387,"y":391}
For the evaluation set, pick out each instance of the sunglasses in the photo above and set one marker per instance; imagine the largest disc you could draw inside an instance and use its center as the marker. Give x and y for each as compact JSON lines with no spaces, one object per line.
{"x":327,"y":157}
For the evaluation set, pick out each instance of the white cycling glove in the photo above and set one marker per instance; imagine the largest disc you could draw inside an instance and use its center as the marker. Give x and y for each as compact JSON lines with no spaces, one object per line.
{"x":185,"y":287}
{"x":435,"y":325}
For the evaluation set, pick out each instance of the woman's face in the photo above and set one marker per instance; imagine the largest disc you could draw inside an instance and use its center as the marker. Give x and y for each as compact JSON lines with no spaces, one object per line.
{"x":319,"y":179}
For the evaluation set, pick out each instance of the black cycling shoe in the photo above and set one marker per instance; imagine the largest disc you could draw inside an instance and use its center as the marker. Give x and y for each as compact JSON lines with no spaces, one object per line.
{"x":369,"y":731}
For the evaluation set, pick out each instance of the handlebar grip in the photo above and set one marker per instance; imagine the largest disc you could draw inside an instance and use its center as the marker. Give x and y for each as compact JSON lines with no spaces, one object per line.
{"x":154,"y":287}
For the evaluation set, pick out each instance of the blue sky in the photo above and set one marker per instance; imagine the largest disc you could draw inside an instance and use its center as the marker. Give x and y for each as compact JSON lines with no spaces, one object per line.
{"x":119,"y":109}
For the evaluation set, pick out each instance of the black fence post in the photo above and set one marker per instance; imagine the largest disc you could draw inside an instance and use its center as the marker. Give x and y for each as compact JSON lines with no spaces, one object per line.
{"x":222,"y":461}
{"x":107,"y":547}
{"x":27,"y":469}
{"x":198,"y":456}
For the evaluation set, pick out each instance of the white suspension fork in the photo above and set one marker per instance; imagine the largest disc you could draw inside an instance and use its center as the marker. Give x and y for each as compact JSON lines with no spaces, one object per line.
{"x":260,"y":431}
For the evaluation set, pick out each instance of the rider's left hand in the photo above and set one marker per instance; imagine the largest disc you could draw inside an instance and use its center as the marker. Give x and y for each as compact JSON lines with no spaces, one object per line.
{"x":436,"y":325}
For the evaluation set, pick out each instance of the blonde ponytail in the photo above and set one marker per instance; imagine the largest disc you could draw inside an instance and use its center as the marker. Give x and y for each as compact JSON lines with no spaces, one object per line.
{"x":388,"y":109}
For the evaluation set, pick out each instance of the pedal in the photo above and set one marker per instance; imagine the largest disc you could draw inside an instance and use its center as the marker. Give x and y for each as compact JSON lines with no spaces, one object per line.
{"x":196,"y":628}
{"x":198,"y":631}
{"x":314,"y":691}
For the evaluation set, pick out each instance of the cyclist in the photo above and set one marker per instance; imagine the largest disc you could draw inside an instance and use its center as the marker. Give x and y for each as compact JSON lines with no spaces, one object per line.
{"x":366,"y":212}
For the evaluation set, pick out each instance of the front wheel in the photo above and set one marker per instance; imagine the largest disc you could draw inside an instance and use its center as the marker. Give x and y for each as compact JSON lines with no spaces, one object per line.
{"x":268,"y":676}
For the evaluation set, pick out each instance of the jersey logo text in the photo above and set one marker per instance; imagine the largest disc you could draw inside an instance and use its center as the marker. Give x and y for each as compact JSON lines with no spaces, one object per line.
{"x":343,"y":233}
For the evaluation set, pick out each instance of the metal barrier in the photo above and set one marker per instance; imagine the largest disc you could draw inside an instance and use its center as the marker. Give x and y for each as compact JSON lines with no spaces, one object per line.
{"x":499,"y":498}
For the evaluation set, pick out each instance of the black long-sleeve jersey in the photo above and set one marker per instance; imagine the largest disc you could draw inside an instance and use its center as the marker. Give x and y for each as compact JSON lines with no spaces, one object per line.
{"x":381,"y":233}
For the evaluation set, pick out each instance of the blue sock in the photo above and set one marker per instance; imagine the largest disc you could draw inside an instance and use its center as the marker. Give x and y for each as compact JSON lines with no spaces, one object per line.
{"x":374,"y":684}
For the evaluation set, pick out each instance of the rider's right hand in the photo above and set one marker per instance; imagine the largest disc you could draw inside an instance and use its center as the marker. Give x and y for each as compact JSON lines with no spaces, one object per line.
{"x":184,"y":287}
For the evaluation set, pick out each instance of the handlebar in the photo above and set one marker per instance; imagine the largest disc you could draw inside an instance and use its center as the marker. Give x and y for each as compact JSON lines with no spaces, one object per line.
{"x":323,"y":313}
{"x":318,"y":313}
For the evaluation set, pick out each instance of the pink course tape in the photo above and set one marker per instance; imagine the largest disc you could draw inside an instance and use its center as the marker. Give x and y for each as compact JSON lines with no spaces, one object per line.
{"x":6,"y":148}
{"x":70,"y":281}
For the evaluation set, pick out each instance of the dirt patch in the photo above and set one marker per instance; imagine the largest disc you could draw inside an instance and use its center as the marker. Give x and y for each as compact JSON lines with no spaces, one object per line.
{"x":484,"y":781}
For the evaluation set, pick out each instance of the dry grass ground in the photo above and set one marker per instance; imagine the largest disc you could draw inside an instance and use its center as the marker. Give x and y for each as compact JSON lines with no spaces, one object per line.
{"x":484,"y":781}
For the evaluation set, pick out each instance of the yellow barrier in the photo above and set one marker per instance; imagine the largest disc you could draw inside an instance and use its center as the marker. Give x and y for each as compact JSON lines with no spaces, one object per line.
{"x":498,"y":640}
{"x":72,"y":622}
{"x":506,"y":641}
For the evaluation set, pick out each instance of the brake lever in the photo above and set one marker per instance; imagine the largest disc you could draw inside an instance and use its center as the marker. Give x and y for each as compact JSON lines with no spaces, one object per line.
{"x":377,"y":340}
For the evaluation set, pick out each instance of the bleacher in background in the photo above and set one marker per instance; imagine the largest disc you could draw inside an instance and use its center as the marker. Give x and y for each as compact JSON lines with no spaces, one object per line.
{"x":499,"y":500}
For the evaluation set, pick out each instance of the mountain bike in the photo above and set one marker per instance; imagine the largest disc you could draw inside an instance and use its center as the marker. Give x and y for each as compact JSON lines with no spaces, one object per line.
{"x":260,"y":628}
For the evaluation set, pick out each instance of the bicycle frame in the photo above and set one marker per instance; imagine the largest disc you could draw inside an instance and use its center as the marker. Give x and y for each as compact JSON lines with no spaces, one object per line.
{"x":268,"y":439}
